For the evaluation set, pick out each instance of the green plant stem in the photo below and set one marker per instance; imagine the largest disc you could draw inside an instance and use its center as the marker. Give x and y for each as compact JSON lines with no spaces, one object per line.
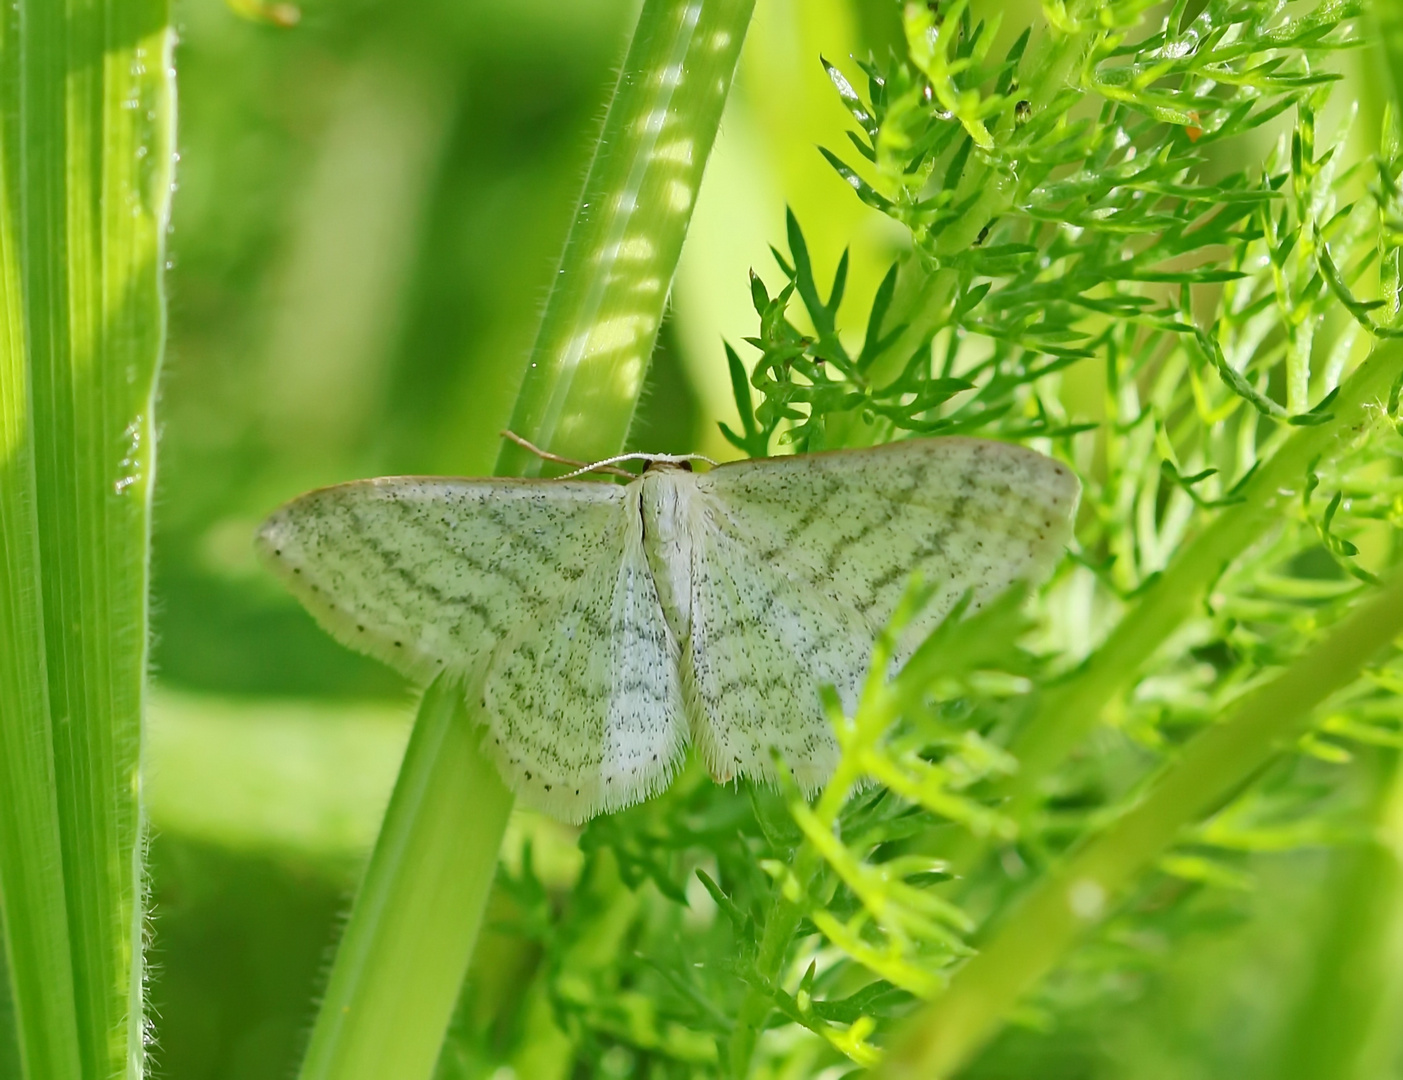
{"x":1069,"y":710}
{"x":416,"y":916}
{"x":757,"y":1004}
{"x":86,"y":118}
{"x":607,"y":301}
{"x":945,"y":1035}
{"x":577,"y":399}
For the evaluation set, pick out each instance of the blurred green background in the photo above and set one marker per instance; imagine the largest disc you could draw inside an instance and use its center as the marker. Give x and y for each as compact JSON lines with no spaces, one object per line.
{"x":370,"y":209}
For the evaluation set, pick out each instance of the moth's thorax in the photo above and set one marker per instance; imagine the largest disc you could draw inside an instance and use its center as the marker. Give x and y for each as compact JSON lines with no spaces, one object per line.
{"x":667,"y":502}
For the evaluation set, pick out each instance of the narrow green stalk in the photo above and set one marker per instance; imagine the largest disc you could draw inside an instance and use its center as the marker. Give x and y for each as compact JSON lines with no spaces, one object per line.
{"x":596,"y":338}
{"x":1069,"y":711}
{"x":400,"y":964}
{"x":86,"y":117}
{"x":756,"y":1007}
{"x":945,"y":1035}
{"x":577,"y":398}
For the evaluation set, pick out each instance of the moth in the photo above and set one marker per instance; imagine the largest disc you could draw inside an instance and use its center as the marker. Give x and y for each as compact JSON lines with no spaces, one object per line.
{"x":599,"y":628}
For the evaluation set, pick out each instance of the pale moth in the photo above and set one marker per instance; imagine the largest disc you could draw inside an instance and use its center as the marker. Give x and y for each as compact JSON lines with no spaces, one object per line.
{"x":598,"y":628}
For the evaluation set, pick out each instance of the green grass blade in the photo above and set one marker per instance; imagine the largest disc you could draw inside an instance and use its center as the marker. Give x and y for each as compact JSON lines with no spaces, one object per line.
{"x":32,"y":901}
{"x":88,"y":111}
{"x":417,"y":913}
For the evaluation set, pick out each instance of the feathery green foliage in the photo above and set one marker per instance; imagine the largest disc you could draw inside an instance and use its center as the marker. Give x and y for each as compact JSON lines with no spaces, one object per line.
{"x":1090,"y":269}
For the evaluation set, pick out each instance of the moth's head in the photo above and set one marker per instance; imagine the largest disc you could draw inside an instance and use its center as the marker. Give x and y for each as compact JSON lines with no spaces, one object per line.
{"x":667,"y":464}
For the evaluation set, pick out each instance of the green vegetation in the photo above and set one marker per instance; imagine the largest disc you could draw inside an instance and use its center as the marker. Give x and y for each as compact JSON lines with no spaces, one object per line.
{"x":85,"y":156}
{"x":1145,"y":822}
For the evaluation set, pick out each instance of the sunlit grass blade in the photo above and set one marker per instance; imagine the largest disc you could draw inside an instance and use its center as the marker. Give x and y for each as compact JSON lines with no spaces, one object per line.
{"x":87,"y":143}
{"x":35,"y":915}
{"x":596,"y":339}
{"x":441,"y":838}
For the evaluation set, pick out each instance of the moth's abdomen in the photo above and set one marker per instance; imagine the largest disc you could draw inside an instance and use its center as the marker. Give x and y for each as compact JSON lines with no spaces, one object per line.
{"x":667,"y":505}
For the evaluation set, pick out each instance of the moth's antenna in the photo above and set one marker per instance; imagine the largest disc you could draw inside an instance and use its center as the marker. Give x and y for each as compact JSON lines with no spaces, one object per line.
{"x":609,"y":463}
{"x":580,"y":466}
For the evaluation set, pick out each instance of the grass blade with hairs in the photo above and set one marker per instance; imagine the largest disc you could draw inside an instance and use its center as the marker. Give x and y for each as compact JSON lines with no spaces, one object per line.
{"x":87,"y":153}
